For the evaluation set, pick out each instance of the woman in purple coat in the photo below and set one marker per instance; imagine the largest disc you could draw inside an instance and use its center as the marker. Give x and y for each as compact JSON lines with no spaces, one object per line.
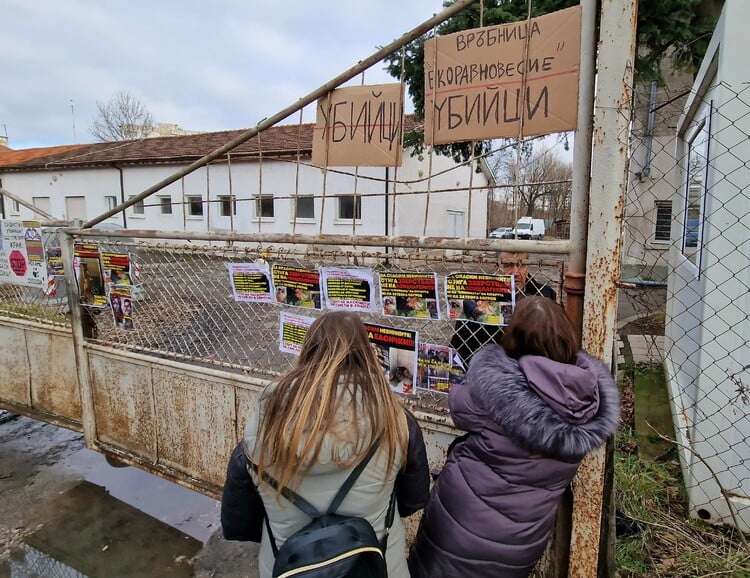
{"x":532,"y":409}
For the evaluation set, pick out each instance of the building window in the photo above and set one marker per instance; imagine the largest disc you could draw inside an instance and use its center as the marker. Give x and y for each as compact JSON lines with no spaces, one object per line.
{"x":195,"y":206}
{"x":15,"y":207}
{"x":42,"y":203}
{"x":165,"y":205}
{"x":138,"y":208}
{"x":111,"y":202}
{"x":304,"y":207}
{"x":227,"y":206}
{"x":696,"y":174}
{"x":264,"y":206}
{"x":350,"y":207}
{"x":663,"y":231}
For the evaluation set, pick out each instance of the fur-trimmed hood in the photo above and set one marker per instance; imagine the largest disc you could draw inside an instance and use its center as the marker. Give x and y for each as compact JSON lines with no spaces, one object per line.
{"x":558,"y":410}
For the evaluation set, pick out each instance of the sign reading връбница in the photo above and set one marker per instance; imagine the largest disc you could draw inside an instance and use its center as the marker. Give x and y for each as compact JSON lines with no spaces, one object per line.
{"x":485,"y":83}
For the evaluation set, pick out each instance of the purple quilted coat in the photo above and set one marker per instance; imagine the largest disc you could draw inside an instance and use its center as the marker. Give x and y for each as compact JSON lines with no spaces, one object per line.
{"x":530,"y":422}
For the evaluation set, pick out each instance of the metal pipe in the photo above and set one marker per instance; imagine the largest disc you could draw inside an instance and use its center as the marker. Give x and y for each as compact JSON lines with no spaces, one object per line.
{"x":78,"y":332}
{"x":412,"y":242}
{"x":30,"y":206}
{"x":361,"y":66}
{"x":579,"y":195}
{"x":646,"y":170}
{"x":606,"y":201}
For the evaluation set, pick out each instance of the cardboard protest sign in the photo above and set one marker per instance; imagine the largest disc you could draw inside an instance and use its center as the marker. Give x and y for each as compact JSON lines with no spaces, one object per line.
{"x":484,"y":83}
{"x":360,"y":126}
{"x":409,"y":295}
{"x":396,"y":350}
{"x":480,"y":297}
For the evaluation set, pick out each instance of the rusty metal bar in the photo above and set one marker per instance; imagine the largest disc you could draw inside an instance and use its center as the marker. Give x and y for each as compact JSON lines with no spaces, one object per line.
{"x":26,"y":204}
{"x":361,"y":66}
{"x":88,"y":417}
{"x":409,"y":242}
{"x":608,"y":188}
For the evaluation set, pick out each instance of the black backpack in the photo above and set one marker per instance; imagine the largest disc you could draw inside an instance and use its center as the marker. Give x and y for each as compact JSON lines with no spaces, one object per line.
{"x":331,"y":545}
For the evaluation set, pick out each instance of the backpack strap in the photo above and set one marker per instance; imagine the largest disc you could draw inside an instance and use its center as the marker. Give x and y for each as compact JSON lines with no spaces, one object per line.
{"x":306,"y":507}
{"x":347,"y":485}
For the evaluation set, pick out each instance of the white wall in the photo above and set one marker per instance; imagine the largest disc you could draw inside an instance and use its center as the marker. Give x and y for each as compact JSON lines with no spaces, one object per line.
{"x":281,"y":179}
{"x":707,"y":310}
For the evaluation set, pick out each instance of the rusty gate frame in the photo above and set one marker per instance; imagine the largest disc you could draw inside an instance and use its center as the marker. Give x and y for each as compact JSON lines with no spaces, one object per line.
{"x":598,"y":193}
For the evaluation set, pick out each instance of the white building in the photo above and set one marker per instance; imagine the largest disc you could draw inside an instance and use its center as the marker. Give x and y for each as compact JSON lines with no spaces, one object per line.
{"x":250,"y":190}
{"x":708,"y":297}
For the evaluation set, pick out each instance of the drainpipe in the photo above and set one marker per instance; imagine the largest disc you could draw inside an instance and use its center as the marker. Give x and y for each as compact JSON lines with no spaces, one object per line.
{"x":2,"y":202}
{"x":387,"y":180}
{"x":646,"y":170}
{"x":122,"y":197}
{"x":579,"y":195}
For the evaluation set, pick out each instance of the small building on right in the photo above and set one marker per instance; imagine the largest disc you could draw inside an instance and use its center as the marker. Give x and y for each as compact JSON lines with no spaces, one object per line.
{"x":707,"y":331}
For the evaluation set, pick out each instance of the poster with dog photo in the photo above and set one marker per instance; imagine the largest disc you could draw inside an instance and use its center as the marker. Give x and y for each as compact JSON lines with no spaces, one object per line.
{"x":396,"y":350}
{"x":439,"y":368}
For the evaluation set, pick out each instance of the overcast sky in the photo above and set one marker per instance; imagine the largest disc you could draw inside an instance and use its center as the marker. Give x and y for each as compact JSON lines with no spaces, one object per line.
{"x":202,"y":65}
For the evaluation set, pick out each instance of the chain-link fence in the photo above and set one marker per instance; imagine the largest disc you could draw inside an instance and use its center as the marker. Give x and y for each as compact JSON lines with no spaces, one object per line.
{"x":685,"y":276}
{"x":46,"y":302}
{"x":185,"y":308}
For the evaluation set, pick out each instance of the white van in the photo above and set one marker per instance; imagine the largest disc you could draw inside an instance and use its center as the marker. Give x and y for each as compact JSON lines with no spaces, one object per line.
{"x":529,"y":228}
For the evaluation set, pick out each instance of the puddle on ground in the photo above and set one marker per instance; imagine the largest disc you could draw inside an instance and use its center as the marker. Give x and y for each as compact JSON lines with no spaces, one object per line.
{"x":86,"y":532}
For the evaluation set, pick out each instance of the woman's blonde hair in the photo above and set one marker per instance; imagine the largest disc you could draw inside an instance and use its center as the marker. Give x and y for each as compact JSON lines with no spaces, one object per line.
{"x":336,"y":354}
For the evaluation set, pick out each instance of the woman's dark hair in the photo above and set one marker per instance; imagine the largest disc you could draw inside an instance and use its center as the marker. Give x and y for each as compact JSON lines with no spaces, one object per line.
{"x":539,"y":326}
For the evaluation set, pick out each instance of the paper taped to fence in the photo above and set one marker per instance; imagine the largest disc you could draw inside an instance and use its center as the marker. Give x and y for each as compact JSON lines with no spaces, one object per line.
{"x":292,"y":331}
{"x":22,"y":253}
{"x":474,"y":79}
{"x":360,"y":126}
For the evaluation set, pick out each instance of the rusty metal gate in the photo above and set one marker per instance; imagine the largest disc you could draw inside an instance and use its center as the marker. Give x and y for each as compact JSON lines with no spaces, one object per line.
{"x":172,"y":395}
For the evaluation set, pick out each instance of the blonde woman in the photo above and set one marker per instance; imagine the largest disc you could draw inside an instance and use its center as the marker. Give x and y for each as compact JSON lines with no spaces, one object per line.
{"x":312,"y":428}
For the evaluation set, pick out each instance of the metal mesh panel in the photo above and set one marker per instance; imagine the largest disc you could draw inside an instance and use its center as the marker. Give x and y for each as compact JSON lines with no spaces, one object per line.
{"x":186,"y":309}
{"x":691,"y":285}
{"x":46,"y":304}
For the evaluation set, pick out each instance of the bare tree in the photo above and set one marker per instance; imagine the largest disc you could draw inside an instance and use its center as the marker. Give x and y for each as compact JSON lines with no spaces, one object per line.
{"x":543,"y":182}
{"x":122,"y":117}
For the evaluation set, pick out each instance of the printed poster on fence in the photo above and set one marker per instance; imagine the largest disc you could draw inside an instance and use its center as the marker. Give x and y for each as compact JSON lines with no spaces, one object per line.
{"x":396,"y":350}
{"x":116,"y":269}
{"x":89,"y":275}
{"x":121,"y":303}
{"x":251,"y":282}
{"x":360,"y":126}
{"x":480,"y":297}
{"x":297,"y":286}
{"x":348,"y":289}
{"x":484,"y":83}
{"x":409,"y":295}
{"x":55,"y":286}
{"x":22,"y":253}
{"x":439,"y":367}
{"x":292,"y":331}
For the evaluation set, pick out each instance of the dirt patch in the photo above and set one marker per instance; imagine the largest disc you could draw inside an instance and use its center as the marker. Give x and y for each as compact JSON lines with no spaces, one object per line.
{"x":649,"y":325}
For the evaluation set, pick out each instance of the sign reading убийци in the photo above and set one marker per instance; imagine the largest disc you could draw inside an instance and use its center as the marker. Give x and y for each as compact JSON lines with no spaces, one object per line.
{"x":486,"y":83}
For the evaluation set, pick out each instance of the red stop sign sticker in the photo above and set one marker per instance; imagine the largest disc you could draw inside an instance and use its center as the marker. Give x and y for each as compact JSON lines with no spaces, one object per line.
{"x":17,"y":263}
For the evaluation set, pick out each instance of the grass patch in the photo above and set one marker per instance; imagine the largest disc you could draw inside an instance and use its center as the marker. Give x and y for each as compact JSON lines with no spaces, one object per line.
{"x":649,"y":492}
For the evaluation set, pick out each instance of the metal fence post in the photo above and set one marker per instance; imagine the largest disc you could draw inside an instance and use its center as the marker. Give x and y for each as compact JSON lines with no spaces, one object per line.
{"x":82,"y":326}
{"x":608,"y":187}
